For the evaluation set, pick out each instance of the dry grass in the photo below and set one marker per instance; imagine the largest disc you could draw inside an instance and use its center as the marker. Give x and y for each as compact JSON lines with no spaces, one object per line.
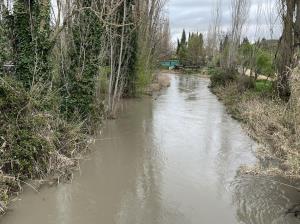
{"x":164,"y":81}
{"x":160,"y":81}
{"x":273,"y":123}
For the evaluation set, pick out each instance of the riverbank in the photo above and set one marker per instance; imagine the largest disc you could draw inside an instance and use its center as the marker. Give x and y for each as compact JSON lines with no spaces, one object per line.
{"x":38,"y":145}
{"x":269,"y":120}
{"x":160,"y":81}
{"x":146,"y":157}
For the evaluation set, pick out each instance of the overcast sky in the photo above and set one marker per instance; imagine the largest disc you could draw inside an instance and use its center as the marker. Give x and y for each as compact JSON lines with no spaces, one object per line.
{"x":195,"y":16}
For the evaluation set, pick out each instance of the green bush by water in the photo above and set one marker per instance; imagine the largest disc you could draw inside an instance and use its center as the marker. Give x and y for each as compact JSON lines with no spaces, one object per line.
{"x":35,"y":140}
{"x":221,"y":77}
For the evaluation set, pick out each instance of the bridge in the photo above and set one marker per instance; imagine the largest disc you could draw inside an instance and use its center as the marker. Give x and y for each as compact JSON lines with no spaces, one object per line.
{"x":170,"y":64}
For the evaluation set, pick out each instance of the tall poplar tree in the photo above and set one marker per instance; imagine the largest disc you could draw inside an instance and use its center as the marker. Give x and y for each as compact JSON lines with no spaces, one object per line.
{"x":182,"y":53}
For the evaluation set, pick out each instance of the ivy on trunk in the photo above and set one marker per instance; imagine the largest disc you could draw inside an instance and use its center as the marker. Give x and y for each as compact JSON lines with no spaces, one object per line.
{"x":32,"y":46}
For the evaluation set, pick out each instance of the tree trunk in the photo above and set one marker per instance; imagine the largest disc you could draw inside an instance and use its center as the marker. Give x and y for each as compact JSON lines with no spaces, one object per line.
{"x":286,"y":50}
{"x":297,"y":28}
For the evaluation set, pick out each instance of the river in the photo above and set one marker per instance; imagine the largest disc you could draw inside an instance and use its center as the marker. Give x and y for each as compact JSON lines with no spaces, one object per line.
{"x":169,"y":160}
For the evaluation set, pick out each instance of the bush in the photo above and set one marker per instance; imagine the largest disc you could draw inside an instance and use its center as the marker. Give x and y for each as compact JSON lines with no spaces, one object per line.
{"x":244,"y":83}
{"x":31,"y":131}
{"x":264,"y":63}
{"x":264,"y":86}
{"x":221,"y":77}
{"x":103,"y":81}
{"x":35,"y":140}
{"x":144,"y":79}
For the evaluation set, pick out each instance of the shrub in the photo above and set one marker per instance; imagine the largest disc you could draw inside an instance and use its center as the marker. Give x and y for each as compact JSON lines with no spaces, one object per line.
{"x":35,"y":140}
{"x":221,"y":77}
{"x":263,"y":86}
{"x":144,"y":78}
{"x":103,"y":81}
{"x":264,"y":63}
{"x":31,"y":130}
{"x":244,"y":83}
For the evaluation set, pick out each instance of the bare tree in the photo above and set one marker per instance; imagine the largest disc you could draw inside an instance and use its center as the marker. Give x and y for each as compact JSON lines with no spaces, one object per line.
{"x":240,"y":11}
{"x":150,"y":17}
{"x":116,"y":87}
{"x":270,"y":16}
{"x":214,"y":32}
{"x":165,"y":48}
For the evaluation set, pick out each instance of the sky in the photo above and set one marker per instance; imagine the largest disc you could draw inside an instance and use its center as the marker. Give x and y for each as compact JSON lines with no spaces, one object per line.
{"x":195,"y":16}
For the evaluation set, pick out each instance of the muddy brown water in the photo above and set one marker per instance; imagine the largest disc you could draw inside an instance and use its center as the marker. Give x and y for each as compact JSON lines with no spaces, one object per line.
{"x":173,"y":160}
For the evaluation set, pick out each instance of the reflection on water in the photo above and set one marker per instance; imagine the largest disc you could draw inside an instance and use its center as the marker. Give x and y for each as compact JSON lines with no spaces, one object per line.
{"x":173,"y":160}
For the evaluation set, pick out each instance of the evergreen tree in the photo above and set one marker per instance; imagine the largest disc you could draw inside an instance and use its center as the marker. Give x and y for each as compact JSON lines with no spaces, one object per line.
{"x":178,"y":47}
{"x":183,"y":38}
{"x":182,"y":54}
{"x":195,"y":49}
{"x":245,"y":41}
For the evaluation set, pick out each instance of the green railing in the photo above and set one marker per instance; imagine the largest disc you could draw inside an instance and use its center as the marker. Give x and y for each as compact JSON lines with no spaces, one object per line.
{"x":169,"y":63}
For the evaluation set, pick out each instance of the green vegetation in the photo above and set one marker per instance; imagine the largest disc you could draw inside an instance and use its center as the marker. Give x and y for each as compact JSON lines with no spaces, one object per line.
{"x":259,"y":84}
{"x":36,"y":141}
{"x":143,"y":80}
{"x":33,"y":45}
{"x":220,"y":77}
{"x":270,"y":121}
{"x":61,"y":74}
{"x":190,"y":51}
{"x":79,"y":94}
{"x":250,"y":93}
{"x":264,"y":86}
{"x":264,"y":64}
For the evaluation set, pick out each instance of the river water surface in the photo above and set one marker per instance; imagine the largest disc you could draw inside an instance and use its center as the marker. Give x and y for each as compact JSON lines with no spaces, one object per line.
{"x":173,"y":160}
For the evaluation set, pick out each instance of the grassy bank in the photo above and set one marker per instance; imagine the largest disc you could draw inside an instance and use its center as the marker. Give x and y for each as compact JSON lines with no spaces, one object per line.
{"x":272,"y":122}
